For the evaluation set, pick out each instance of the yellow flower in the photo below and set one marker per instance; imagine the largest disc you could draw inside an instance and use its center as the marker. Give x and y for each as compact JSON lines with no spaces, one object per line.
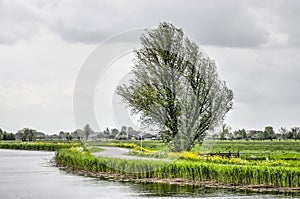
{"x":73,"y":149}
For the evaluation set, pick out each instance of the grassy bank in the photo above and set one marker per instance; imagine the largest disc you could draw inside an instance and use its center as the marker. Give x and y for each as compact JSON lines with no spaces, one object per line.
{"x":37,"y":146}
{"x":192,"y":171}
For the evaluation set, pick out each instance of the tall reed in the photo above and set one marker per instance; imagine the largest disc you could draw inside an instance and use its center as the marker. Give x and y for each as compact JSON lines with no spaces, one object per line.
{"x":186,"y":170}
{"x":39,"y":146}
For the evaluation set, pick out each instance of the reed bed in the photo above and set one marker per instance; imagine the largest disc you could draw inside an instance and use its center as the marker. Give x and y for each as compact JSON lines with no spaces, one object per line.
{"x":38,"y":146}
{"x":182,"y":169}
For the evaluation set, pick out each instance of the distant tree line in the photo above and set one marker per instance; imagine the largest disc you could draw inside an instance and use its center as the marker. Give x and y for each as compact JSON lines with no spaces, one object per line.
{"x":125,"y":133}
{"x":267,"y":134}
{"x":6,"y":136}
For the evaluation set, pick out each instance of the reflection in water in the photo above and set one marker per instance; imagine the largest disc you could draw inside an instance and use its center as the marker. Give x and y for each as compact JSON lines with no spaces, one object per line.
{"x":157,"y":189}
{"x":154,"y":190}
{"x":29,"y":174}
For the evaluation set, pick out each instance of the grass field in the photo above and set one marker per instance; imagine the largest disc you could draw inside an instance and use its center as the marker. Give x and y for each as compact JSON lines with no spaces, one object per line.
{"x":249,"y":150}
{"x":259,"y":150}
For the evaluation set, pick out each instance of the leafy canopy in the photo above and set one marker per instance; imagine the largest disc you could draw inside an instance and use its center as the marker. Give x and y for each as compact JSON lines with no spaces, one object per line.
{"x":175,"y":87}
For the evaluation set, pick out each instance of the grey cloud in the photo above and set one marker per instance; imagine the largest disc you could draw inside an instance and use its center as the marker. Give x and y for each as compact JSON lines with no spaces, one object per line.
{"x":281,"y":19}
{"x":209,"y":22}
{"x":90,"y":22}
{"x":289,"y":22}
{"x":222,"y":23}
{"x":262,"y":76}
{"x":75,"y":34}
{"x":18,"y":20}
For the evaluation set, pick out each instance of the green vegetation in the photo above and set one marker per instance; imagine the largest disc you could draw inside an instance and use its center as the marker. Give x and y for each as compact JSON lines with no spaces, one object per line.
{"x":93,"y":149}
{"x":175,"y":87}
{"x":132,"y":146}
{"x":256,"y":146}
{"x":27,"y":134}
{"x":6,"y":136}
{"x":38,"y":146}
{"x":257,"y":150}
{"x":231,"y":174}
{"x":147,"y":144}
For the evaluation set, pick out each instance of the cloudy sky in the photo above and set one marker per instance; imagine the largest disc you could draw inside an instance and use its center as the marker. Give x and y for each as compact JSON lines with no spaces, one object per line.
{"x":45,"y":43}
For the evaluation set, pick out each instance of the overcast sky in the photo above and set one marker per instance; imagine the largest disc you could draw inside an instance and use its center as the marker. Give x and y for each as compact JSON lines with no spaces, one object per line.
{"x":44,"y":43}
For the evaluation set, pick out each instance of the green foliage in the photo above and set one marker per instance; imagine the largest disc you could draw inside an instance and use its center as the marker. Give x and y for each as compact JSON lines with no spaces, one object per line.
{"x":124,"y":145}
{"x":240,"y":134}
{"x":148,"y":144}
{"x":185,"y":155}
{"x":187,"y":170}
{"x":131,"y":146}
{"x":87,"y":130}
{"x":69,"y":136}
{"x":39,"y":146}
{"x":175,"y":87}
{"x":269,"y":133}
{"x":6,"y":136}
{"x":93,"y":149}
{"x":27,"y":134}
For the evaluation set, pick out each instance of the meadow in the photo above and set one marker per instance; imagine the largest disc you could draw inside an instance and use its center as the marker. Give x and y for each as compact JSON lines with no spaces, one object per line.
{"x":286,"y":150}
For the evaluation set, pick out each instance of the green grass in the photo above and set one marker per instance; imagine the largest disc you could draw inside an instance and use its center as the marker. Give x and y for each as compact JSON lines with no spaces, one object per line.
{"x":93,"y":149}
{"x":38,"y":146}
{"x":189,"y":170}
{"x":147,"y":144}
{"x":257,"y":150}
{"x":256,"y":146}
{"x":249,"y":150}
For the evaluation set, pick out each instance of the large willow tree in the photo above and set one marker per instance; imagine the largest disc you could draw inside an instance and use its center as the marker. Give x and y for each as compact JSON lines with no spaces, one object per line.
{"x":176,"y":87}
